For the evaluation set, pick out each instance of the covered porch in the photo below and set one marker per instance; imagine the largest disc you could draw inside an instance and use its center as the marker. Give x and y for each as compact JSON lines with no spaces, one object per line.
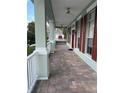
{"x":52,"y":67}
{"x":68,"y":74}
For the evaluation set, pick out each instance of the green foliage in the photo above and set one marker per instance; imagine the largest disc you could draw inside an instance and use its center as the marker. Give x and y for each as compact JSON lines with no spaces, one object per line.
{"x":30,"y":38}
{"x":31,"y":33}
{"x":31,"y":27}
{"x":30,"y":50}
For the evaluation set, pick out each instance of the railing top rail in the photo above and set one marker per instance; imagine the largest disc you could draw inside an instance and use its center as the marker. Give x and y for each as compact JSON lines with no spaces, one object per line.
{"x":32,"y":54}
{"x":48,"y":43}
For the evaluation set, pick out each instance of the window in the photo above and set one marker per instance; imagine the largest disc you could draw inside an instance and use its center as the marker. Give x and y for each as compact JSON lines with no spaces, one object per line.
{"x":78,"y":34}
{"x":79,"y":42}
{"x":90,"y":32}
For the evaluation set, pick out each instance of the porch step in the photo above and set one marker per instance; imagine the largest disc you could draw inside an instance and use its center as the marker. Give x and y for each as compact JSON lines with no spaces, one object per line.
{"x":61,"y":42}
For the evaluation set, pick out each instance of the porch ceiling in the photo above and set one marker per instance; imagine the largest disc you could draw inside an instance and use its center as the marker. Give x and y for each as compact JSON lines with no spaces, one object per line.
{"x":59,"y":9}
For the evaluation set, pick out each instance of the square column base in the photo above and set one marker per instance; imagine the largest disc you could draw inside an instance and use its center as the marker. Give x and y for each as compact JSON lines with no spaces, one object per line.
{"x":52,"y":46}
{"x":42,"y":63}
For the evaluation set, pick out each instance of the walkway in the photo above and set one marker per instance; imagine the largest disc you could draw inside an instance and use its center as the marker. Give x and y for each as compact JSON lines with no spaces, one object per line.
{"x":69,"y":74}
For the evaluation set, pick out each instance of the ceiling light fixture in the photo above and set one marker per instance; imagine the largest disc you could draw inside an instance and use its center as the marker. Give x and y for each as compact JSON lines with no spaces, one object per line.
{"x":67,"y":10}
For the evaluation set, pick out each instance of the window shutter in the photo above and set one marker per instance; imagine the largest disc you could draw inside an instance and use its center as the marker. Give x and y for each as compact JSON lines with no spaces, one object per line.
{"x":84,"y":33}
{"x":81,"y":33}
{"x":94,"y":51}
{"x":76,"y":36}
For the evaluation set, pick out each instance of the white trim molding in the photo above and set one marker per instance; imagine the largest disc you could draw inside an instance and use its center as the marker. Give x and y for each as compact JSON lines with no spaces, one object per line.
{"x":92,"y":6}
{"x":43,"y":78}
{"x":68,"y":45}
{"x":86,"y":59}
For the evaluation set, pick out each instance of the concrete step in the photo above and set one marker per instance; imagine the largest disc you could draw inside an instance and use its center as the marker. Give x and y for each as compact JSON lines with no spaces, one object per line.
{"x":60,"y":42}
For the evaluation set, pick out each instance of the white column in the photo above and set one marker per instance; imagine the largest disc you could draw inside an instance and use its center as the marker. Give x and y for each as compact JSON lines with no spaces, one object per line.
{"x":52,"y":35}
{"x":40,"y":39}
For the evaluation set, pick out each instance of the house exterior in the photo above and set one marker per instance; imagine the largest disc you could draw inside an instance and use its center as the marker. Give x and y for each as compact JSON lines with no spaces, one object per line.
{"x":81,"y":35}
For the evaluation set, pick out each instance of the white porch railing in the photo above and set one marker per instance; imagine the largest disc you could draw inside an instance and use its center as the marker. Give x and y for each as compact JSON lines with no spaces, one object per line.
{"x":32,"y":68}
{"x":48,"y":47}
{"x":31,"y":71}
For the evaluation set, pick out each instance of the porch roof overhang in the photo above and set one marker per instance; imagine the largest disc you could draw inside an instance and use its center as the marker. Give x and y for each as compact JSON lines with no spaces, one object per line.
{"x":56,"y":11}
{"x":77,"y":9}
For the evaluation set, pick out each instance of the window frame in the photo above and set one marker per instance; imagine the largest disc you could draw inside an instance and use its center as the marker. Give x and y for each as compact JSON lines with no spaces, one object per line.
{"x":90,"y":20}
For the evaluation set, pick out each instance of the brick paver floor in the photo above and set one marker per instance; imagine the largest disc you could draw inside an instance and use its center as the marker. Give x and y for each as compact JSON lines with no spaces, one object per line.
{"x":68,"y":74}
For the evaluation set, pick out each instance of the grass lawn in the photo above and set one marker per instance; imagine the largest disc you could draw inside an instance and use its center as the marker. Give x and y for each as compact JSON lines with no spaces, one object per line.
{"x":30,"y":50}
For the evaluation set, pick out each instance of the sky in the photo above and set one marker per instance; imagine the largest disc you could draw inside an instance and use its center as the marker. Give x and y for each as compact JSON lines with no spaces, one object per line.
{"x":30,"y":11}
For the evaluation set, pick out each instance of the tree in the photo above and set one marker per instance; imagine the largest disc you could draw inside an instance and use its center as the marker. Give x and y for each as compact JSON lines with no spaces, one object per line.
{"x":31,"y":27}
{"x":31,"y":33}
{"x":30,"y":38}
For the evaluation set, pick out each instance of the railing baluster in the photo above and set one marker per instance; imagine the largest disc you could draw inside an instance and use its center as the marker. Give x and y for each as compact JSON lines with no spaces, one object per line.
{"x":31,"y":70}
{"x":28,"y":74}
{"x":31,"y":67}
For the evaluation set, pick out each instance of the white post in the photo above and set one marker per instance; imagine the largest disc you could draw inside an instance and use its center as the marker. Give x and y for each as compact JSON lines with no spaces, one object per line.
{"x":52,"y":35}
{"x":40,"y":38}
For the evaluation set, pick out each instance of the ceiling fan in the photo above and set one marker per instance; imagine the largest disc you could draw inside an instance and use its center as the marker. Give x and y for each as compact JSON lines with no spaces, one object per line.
{"x":68,"y":11}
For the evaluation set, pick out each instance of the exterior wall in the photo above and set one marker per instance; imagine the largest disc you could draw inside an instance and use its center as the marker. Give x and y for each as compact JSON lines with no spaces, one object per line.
{"x":82,"y":31}
{"x":90,"y":40}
